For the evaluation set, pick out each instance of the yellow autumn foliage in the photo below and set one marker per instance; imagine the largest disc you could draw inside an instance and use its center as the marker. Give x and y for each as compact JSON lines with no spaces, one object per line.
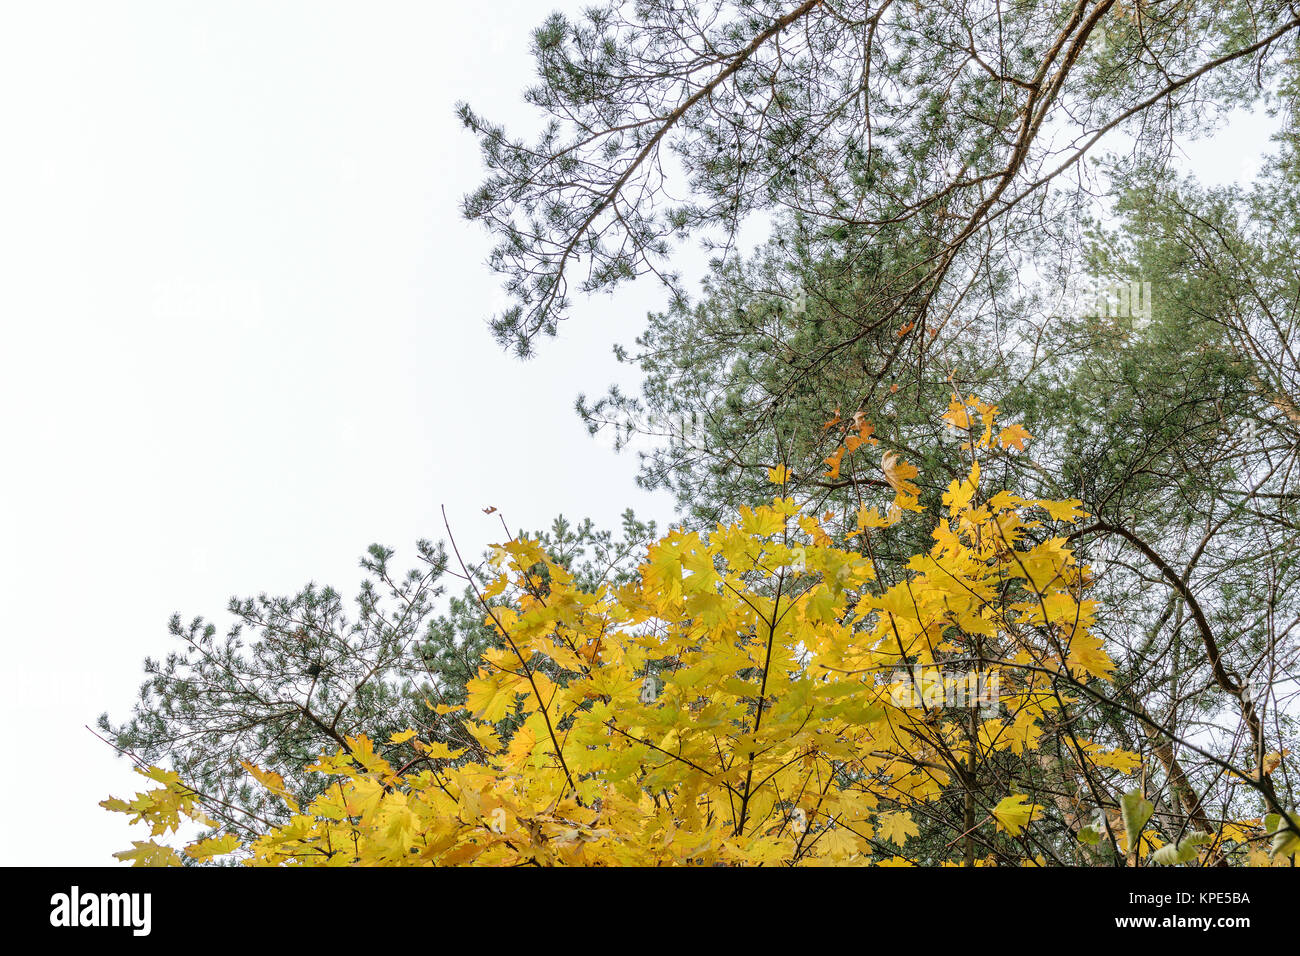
{"x":756,"y":695}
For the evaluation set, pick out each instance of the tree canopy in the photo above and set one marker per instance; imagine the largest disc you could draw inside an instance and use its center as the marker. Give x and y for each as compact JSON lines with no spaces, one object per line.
{"x":964,"y":199}
{"x":760,"y":695}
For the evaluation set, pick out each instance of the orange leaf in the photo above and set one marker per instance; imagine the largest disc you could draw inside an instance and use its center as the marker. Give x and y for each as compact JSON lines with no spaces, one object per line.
{"x":834,"y":461}
{"x":897,"y":472}
{"x":1014,"y":436}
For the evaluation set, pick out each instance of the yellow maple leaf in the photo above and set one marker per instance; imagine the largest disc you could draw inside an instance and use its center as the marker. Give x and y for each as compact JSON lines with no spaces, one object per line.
{"x":273,"y":782}
{"x":521,"y":747}
{"x":958,"y":416}
{"x":1013,"y":813}
{"x":213,"y":846}
{"x":959,"y":493}
{"x":1272,"y":761}
{"x":896,"y":826}
{"x":1088,"y":654}
{"x":837,"y":843}
{"x":1124,"y":761}
{"x":148,"y":853}
{"x":870,"y":517}
{"x":489,"y":697}
{"x":1068,"y":509}
{"x":438,"y":750}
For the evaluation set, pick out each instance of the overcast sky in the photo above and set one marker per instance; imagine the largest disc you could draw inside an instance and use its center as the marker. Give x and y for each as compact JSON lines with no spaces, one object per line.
{"x":244,"y":337}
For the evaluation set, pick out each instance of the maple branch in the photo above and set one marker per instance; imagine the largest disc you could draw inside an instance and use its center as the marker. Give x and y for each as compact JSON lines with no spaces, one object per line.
{"x":528,"y":672}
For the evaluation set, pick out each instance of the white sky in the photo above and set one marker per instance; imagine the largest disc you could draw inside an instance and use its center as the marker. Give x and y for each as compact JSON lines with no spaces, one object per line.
{"x":243,"y":337}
